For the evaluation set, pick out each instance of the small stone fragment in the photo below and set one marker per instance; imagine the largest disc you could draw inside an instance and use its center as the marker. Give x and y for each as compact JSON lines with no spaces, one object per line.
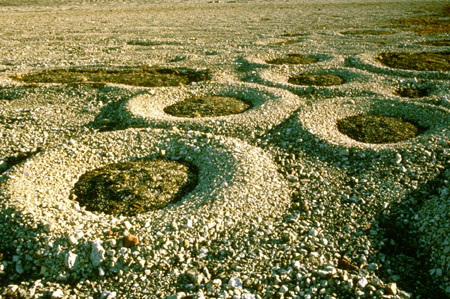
{"x":71,"y":259}
{"x":58,"y":294}
{"x":391,"y":289}
{"x":130,"y":241}
{"x":108,"y":295}
{"x":345,"y":264}
{"x":362,"y":282}
{"x":97,"y":253}
{"x":235,"y":283}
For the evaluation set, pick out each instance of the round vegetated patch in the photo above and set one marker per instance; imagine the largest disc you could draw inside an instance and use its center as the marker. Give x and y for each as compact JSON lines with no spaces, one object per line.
{"x":412,"y":93}
{"x":146,"y":76}
{"x":208,"y":106}
{"x":293,"y":59}
{"x":425,"y":61}
{"x":316,"y":79}
{"x":378,"y":129}
{"x":135,"y":187}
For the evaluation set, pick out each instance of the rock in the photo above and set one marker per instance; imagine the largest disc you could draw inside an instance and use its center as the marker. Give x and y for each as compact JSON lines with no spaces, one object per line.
{"x":284,"y":289}
{"x":19,"y":268}
{"x":58,"y":294}
{"x":108,"y":295}
{"x":345,"y":264}
{"x":235,"y":283}
{"x":71,"y":259}
{"x":101,"y":272}
{"x":313,"y":232}
{"x":97,"y":253}
{"x":195,"y":277}
{"x":362,"y":282}
{"x":391,"y":289}
{"x":372,"y":267}
{"x":130,"y":241}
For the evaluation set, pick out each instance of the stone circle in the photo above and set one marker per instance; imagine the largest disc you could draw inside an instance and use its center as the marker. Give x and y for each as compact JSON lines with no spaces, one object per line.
{"x":269,"y":108}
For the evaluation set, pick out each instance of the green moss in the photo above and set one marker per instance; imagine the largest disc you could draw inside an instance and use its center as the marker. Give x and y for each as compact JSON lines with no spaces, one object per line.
{"x":137,"y":76}
{"x":132,"y":188}
{"x":316,"y":79}
{"x":208,"y":106}
{"x":425,"y":61}
{"x":378,"y":129}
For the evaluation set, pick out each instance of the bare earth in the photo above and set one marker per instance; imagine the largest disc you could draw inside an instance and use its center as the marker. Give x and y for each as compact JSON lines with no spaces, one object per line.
{"x":280,"y":203}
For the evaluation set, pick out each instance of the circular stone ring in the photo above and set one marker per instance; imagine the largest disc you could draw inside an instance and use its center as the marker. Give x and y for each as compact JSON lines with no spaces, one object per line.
{"x":319,"y":121}
{"x":269,"y":108}
{"x":369,"y":62}
{"x":237,"y":183}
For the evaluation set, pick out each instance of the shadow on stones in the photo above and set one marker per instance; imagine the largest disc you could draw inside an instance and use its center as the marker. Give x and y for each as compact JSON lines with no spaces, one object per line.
{"x":406,"y":257}
{"x":16,"y":159}
{"x":109,"y":117}
{"x":10,"y":93}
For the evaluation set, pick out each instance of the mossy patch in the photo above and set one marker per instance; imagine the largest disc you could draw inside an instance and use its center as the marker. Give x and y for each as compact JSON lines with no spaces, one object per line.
{"x":432,"y":24}
{"x":378,"y":129}
{"x":293,"y":59}
{"x":137,"y":76}
{"x":412,"y":92}
{"x":316,"y":79}
{"x":131,"y":188}
{"x":208,"y":106}
{"x":425,"y":61}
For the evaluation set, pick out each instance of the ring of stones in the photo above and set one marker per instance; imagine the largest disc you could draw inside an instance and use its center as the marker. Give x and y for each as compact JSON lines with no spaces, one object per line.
{"x":367,"y":61}
{"x":319,"y":121}
{"x":236,"y":183}
{"x":356,"y":81}
{"x":323,"y":60}
{"x":270,"y":108}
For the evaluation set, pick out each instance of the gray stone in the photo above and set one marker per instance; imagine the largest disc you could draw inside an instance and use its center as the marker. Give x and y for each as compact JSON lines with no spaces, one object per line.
{"x":97,"y":253}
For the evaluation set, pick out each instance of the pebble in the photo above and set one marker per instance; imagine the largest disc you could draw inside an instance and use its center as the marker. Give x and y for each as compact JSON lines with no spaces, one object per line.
{"x":235,"y":283}
{"x":391,"y":289}
{"x":97,"y":253}
{"x":130,"y":241}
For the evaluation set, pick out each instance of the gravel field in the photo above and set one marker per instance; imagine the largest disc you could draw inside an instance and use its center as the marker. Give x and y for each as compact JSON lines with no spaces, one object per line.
{"x":284,"y":205}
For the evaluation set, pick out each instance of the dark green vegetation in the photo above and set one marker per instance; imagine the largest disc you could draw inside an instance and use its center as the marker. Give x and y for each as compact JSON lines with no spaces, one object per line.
{"x":137,"y":76}
{"x":208,"y":106}
{"x":316,"y":79}
{"x":131,"y":188}
{"x":431,"y":24}
{"x":412,"y":92}
{"x":425,"y":61}
{"x":377,"y":128}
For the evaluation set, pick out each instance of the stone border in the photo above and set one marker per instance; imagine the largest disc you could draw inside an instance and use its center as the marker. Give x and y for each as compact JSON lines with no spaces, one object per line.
{"x":238,"y":184}
{"x":270,"y":108}
{"x":319,"y":121}
{"x":324,"y":60}
{"x":357,"y":82}
{"x":368,"y":62}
